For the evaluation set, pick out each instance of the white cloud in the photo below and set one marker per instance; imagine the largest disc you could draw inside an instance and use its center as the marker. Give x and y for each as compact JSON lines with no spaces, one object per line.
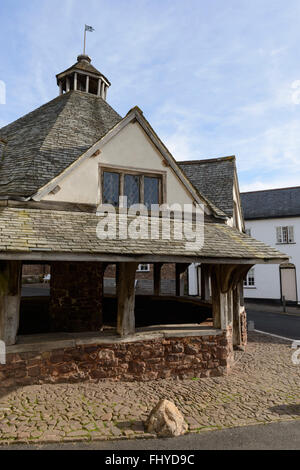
{"x":259,"y":185}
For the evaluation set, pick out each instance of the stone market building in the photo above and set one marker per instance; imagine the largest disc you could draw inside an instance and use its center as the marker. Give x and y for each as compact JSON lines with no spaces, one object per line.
{"x":58,"y":164}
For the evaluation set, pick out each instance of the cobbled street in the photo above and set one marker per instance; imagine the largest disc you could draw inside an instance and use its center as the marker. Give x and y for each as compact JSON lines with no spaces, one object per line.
{"x":262,"y":387}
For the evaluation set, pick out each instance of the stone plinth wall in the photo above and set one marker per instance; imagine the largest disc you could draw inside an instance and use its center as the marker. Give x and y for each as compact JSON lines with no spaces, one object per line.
{"x":76,"y":296}
{"x":187,"y":357}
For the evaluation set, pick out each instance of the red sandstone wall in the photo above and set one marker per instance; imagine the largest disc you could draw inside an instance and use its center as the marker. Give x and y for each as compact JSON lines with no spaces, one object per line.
{"x":167,"y":272}
{"x":187,"y":357}
{"x":76,"y":296}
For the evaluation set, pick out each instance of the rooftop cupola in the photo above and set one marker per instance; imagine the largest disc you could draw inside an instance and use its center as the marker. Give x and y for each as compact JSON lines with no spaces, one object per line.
{"x":83,"y":76}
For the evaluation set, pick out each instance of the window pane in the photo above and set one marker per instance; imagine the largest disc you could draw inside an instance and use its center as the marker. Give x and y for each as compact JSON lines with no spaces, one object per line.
{"x":151,"y":191}
{"x":111,"y":188}
{"x":284,"y":234}
{"x":132,"y":189}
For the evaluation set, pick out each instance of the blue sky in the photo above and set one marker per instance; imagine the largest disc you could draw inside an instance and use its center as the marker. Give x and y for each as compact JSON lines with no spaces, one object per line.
{"x":213,"y":77}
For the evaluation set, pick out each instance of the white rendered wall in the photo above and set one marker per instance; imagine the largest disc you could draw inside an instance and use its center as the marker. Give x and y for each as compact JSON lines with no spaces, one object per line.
{"x":267,"y":277}
{"x":129,"y":148}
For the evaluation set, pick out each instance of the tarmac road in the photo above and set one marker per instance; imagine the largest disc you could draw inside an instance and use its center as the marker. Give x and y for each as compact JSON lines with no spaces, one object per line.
{"x":281,"y":436}
{"x":286,"y":325}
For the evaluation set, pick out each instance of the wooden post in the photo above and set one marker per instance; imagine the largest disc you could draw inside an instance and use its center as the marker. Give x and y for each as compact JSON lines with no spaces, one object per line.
{"x":87,"y":84}
{"x":180,"y":268}
{"x":236,"y":321}
{"x":205,"y":295}
{"x":126,"y":298}
{"x":10,"y":298}
{"x":219,"y":298}
{"x":60,"y":87}
{"x":99,"y":87}
{"x":102,"y":89}
{"x":157,"y":277}
{"x":67,"y":84}
{"x":75,"y":81}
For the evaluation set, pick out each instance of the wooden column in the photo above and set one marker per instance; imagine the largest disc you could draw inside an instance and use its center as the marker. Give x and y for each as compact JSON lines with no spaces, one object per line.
{"x":102,"y":89}
{"x":236,"y":322}
{"x":87,"y":84}
{"x":67,"y":84}
{"x":180,"y":268}
{"x":157,"y":277}
{"x":75,"y":81}
{"x":126,"y":298}
{"x":221,"y":286}
{"x":10,"y":298}
{"x":205,"y":294}
{"x":99,"y":87}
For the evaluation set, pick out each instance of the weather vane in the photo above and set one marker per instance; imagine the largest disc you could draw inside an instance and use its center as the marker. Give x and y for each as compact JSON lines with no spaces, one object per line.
{"x":86,"y":28}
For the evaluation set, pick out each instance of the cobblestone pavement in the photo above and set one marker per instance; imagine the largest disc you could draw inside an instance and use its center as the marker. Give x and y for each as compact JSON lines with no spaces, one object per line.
{"x":263,"y":387}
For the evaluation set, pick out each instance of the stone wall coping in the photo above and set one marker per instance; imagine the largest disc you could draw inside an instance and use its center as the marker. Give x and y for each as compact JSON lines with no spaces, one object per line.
{"x":51,"y":341}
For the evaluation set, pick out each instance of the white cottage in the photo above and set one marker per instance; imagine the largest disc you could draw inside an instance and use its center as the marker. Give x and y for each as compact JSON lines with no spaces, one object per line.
{"x":273,"y":216}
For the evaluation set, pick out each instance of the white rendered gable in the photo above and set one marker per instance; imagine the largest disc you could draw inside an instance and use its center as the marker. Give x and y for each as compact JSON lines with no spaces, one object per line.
{"x":131,"y":148}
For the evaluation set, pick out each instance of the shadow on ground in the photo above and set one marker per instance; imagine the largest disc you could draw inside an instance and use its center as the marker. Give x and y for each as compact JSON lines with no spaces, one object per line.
{"x":293,"y":409}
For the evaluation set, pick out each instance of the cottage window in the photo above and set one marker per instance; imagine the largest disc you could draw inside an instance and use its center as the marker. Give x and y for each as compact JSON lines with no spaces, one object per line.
{"x":138,"y":187}
{"x":285,"y":234}
{"x":143,"y":268}
{"x":249,"y":280}
{"x":111,"y":188}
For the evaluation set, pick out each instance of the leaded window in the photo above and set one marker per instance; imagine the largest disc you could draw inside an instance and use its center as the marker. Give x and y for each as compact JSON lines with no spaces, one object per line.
{"x":139,"y":188}
{"x":111,"y":188}
{"x":132,"y":189}
{"x":151,"y":191}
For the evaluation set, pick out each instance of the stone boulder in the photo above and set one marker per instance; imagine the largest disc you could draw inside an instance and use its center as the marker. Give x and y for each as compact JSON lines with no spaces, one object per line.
{"x":166,"y":420}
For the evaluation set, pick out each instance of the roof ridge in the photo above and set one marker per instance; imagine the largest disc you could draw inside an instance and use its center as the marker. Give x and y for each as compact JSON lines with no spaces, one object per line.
{"x":268,"y":190}
{"x":209,"y":160}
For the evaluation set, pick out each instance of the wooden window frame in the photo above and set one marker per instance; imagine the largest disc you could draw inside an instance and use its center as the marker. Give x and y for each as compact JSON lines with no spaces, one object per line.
{"x":250,"y":274}
{"x":143,"y":270}
{"x":290,"y":235}
{"x":142,"y":173}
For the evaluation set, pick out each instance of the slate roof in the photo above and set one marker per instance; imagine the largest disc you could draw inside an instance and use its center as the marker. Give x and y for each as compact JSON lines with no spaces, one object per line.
{"x":214,"y":178}
{"x":43,"y":143}
{"x":32,"y":231}
{"x":83,"y":63}
{"x":270,"y":203}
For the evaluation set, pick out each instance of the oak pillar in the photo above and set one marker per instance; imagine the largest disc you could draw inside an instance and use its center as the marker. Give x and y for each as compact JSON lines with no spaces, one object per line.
{"x":180,"y":268}
{"x":236,"y":333}
{"x":157,"y":277}
{"x":10,"y":298}
{"x":126,"y":298}
{"x":205,"y":294}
